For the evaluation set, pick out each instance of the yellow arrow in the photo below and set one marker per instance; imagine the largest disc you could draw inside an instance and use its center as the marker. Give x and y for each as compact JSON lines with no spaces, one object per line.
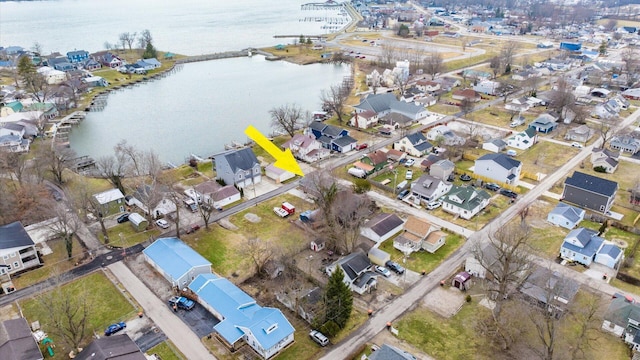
{"x":284,"y":159}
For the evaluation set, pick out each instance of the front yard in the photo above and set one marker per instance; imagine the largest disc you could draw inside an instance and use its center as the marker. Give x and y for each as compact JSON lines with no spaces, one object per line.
{"x":422,"y":260}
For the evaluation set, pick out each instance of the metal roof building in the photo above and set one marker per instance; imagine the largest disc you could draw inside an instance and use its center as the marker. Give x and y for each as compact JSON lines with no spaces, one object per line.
{"x":176,"y":261}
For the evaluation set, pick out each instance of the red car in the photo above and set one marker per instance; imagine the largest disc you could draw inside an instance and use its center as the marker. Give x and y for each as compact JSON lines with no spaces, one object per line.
{"x":362,"y":146}
{"x":192,"y":229}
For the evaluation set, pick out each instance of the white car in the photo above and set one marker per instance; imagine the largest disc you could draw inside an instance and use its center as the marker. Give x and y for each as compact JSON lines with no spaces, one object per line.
{"x":383,"y":270}
{"x":409,"y":163}
{"x":576,"y":145}
{"x":409,"y":175}
{"x":280,"y":212}
{"x":434,"y":204}
{"x":162,"y":223}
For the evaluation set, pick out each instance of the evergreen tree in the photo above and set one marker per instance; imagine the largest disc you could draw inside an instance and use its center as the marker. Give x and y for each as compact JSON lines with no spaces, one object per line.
{"x":26,"y":69}
{"x":603,"y":48}
{"x":338,"y":299}
{"x":403,"y":30}
{"x":150,"y":52}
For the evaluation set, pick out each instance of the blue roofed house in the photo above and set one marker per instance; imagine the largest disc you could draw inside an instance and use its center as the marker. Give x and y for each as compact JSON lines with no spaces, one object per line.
{"x":544,"y":123}
{"x":77,"y":56}
{"x":609,"y":255}
{"x":590,"y":192}
{"x":414,"y":144}
{"x":332,"y":137}
{"x":498,"y":167}
{"x":176,"y":261}
{"x":581,"y":246}
{"x":266,"y":330}
{"x":566,"y":216}
{"x":239,"y":167}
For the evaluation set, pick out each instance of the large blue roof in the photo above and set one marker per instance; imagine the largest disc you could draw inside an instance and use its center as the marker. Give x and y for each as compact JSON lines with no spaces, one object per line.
{"x":174,"y":257}
{"x":240,"y":312}
{"x":590,"y":245}
{"x":611,"y":250}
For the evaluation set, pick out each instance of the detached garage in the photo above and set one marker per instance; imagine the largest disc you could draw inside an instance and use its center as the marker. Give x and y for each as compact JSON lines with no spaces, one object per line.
{"x":278,"y":175}
{"x":176,"y":261}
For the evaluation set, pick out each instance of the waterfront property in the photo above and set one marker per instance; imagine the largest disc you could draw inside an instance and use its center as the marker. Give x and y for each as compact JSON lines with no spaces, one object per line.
{"x":239,"y":167}
{"x":110,"y":202}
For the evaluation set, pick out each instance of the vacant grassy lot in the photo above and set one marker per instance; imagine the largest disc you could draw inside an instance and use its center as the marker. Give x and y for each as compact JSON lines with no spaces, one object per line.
{"x":107,"y":305}
{"x":463,"y":63}
{"x":124,"y":235}
{"x":546,"y":157}
{"x":498,"y":116}
{"x":423,"y":260}
{"x":444,"y":109}
{"x":166,"y":351}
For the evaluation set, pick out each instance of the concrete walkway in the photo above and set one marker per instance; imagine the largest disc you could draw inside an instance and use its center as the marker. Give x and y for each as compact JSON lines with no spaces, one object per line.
{"x":179,"y":333}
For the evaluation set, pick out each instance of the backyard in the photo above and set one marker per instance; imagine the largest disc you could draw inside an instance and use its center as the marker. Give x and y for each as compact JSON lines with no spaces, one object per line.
{"x":422,"y":260}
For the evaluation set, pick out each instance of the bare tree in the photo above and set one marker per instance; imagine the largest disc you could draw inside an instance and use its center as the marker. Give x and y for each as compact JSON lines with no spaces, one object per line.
{"x":37,"y":48}
{"x":58,"y":160}
{"x":115,"y":167}
{"x":387,"y":55}
{"x":350,"y":212}
{"x":496,"y":65}
{"x":466,"y":106}
{"x":287,"y":118}
{"x":206,"y":209}
{"x":433,"y":64}
{"x":605,"y":130}
{"x":131,"y":156}
{"x":508,"y":51}
{"x":13,"y":163}
{"x":64,"y":226}
{"x":586,"y":316}
{"x":145,"y":38}
{"x":67,"y":314}
{"x":335,"y":99}
{"x":401,"y":81}
{"x":562,"y":97}
{"x":260,"y":252}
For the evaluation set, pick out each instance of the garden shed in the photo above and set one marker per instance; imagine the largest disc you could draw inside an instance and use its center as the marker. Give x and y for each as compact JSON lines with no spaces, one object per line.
{"x":461,"y":281}
{"x":138,"y":222}
{"x":378,"y":256}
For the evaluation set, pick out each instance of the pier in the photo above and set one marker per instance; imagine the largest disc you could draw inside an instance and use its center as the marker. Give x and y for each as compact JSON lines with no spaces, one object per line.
{"x":216,"y":56}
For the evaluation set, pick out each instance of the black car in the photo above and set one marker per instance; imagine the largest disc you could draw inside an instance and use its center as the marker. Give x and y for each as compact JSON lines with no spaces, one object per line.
{"x":403,"y":193}
{"x":465,"y":177}
{"x":492,"y":187}
{"x":123,"y":218}
{"x":509,"y":193}
{"x":395,"y":267}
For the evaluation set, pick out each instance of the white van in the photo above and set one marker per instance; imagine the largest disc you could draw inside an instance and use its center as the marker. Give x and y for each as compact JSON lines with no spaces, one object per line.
{"x":402,"y":185}
{"x":319,"y":338}
{"x":359,"y":173}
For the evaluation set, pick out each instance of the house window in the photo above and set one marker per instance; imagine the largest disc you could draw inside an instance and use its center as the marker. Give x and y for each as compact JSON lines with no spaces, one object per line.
{"x":16,"y":264}
{"x":601,"y":207}
{"x":2,"y":271}
{"x":8,"y":267}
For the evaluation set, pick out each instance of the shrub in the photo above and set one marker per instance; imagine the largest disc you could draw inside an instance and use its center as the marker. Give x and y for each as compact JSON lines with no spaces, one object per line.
{"x":330,"y":328}
{"x":361,"y":186}
{"x":600,"y":169}
{"x":468,"y":298}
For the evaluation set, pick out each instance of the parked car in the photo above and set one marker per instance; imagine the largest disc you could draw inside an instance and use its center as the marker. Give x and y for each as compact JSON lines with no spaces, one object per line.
{"x":114,"y":328}
{"x":492,"y":187}
{"x":511,"y":153}
{"x":123,"y":218}
{"x":409,"y":162}
{"x":181,"y":302}
{"x":362,"y":146}
{"x":465,"y":177}
{"x":395,"y":267}
{"x":409,"y":175}
{"x":383,"y":270}
{"x":191,"y":229}
{"x":509,"y":193}
{"x":403,"y":193}
{"x":517,"y":122}
{"x":162,"y":223}
{"x":576,"y":145}
{"x":434,"y":204}
{"x":280,"y":212}
{"x":319,"y":338}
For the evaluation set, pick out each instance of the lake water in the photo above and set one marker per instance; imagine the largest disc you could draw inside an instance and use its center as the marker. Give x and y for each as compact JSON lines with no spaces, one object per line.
{"x":203,"y":106}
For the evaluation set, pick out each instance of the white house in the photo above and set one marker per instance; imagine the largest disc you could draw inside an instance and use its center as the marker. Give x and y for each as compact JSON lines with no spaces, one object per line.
{"x":499,"y":167}
{"x":224,"y":196}
{"x":465,"y":201}
{"x":566,"y":215}
{"x":448,"y":136}
{"x":581,"y":245}
{"x":494,"y":145}
{"x":523,"y":140}
{"x":382,"y":227}
{"x":306,"y":148}
{"x":429,"y":188}
{"x":364,"y":120}
{"x":52,"y":75}
{"x":487,"y":87}
{"x":609,"y":255}
{"x":414,"y":144}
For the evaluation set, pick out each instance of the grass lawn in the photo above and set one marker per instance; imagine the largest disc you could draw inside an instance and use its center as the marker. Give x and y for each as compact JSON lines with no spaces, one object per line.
{"x":124,"y":235}
{"x":626,"y":287}
{"x":463,"y":63}
{"x":546,"y":240}
{"x":108,"y":305}
{"x":54,"y":263}
{"x":221,"y":247}
{"x":423,"y":260}
{"x":546,"y":157}
{"x":444,"y":109}
{"x":166,"y":351}
{"x":77,"y":183}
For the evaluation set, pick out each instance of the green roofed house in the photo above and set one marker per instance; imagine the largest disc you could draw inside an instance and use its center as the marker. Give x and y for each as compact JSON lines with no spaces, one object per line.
{"x":465,"y":201}
{"x":279,"y":47}
{"x":11,"y":108}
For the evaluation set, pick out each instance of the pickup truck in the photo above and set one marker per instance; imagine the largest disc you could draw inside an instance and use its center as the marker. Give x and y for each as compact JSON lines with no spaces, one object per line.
{"x":181,"y":302}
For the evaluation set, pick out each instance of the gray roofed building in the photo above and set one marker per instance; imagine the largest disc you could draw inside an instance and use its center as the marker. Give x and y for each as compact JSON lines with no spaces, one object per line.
{"x":414,"y":144}
{"x":388,"y":352}
{"x":498,"y":167}
{"x":429,"y":188}
{"x":626,"y":143}
{"x":345,"y":143}
{"x":494,"y":145}
{"x":590,"y":191}
{"x":16,"y":341}
{"x":14,"y":235}
{"x":317,"y":125}
{"x":396,"y":120}
{"x":566,"y":215}
{"x":355,"y":266}
{"x":622,"y":316}
{"x":383,"y":104}
{"x":332,"y":131}
{"x":549,"y":289}
{"x":381,"y":227}
{"x":240,"y":167}
{"x":114,"y":347}
{"x":442,"y":169}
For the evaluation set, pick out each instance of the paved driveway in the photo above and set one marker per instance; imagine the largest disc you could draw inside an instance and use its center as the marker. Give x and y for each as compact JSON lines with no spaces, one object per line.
{"x":179,"y":333}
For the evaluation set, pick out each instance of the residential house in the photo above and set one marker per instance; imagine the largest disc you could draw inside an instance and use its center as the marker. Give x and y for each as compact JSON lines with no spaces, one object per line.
{"x":498,"y":167}
{"x":306,"y":303}
{"x":544,"y":123}
{"x":176,"y":261}
{"x":632,"y":94}
{"x":11,"y":108}
{"x":465,"y":201}
{"x":519,"y":105}
{"x":17,"y":249}
{"x":77,"y":56}
{"x":224,"y":196}
{"x":427,"y":162}
{"x":581,"y":246}
{"x":378,"y":159}
{"x":17,"y":342}
{"x":476,"y":74}
{"x":91,"y":64}
{"x":364,"y":120}
{"x":12,"y":138}
{"x":114,"y":347}
{"x":146,"y":65}
{"x":549,"y":290}
{"x":580,"y":134}
{"x":442,"y":169}
{"x":306,"y":148}
{"x":381,"y":227}
{"x":383,"y":104}
{"x":53,"y":76}
{"x":622,"y":102}
{"x":566,"y":215}
{"x":622,"y":317}
{"x":155,"y":200}
{"x":523,"y":75}
{"x":626,"y":143}
{"x":590,"y":192}
{"x":239,"y":167}
{"x":329,"y":136}
{"x":396,"y":120}
{"x":427,"y":101}
{"x":411,"y":94}
{"x":357,"y":272}
{"x":494,"y":145}
{"x":110,"y":60}
{"x":428,"y":86}
{"x":110,"y":202}
{"x":487,"y":87}
{"x":48,"y":110}
{"x":266,"y":330}
{"x":466,"y":94}
{"x":606,"y":110}
{"x":609,"y":255}
{"x":448,"y":82}
{"x":155,"y":64}
{"x":278,"y":175}
{"x":344,"y":144}
{"x":429,"y":188}
{"x":395,"y":155}
{"x":95,"y":81}
{"x":60,"y":63}
{"x":388,"y":352}
{"x":414,"y":144}
{"x":446,"y":134}
{"x":419,"y":234}
{"x":605,"y":159}
{"x":523,"y":140}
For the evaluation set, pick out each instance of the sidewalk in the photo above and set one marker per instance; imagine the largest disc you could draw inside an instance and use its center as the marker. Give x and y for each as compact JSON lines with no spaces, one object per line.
{"x":176,"y":330}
